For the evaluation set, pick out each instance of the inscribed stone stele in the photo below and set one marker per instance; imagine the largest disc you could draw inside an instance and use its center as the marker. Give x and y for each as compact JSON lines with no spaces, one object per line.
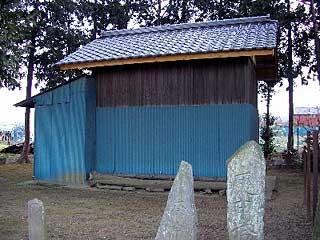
{"x":246,"y":193}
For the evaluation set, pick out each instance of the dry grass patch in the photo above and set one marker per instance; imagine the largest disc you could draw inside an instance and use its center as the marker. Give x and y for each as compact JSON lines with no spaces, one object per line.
{"x":16,"y":172}
{"x":108,"y":214}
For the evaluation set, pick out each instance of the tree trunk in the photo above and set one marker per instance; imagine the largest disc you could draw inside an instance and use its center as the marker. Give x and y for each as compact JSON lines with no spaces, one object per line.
{"x":158,"y":22}
{"x":244,"y":8}
{"x":290,"y":81}
{"x":31,"y":59}
{"x":94,"y":18}
{"x":268,"y":106}
{"x":268,"y":131}
{"x":184,"y":11}
{"x":316,"y":39}
{"x":220,"y":13}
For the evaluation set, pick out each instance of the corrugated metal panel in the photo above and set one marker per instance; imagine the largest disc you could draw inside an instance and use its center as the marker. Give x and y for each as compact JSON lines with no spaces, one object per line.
{"x":153,"y":140}
{"x":41,"y":151}
{"x":238,"y":124}
{"x":61,"y":153}
{"x":306,"y":110}
{"x":43,"y":100}
{"x":90,"y":127}
{"x":61,"y":95}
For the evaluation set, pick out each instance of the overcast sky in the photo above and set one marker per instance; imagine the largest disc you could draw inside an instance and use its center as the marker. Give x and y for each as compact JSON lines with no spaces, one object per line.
{"x":11,"y":115}
{"x":304,"y":96}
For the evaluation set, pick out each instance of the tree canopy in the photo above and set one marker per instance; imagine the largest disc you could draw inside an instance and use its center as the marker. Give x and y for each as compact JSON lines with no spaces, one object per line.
{"x":11,"y":36}
{"x":65,"y":25}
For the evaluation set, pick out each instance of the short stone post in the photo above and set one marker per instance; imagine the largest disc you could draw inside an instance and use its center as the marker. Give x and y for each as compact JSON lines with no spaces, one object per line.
{"x":36,"y":220}
{"x":180,"y":217}
{"x":246,"y":193}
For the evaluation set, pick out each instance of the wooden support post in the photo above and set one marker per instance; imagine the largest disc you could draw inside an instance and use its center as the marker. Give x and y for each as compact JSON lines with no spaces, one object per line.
{"x":298,"y":138}
{"x":315,"y":172}
{"x":308,"y":178}
{"x":304,"y":157}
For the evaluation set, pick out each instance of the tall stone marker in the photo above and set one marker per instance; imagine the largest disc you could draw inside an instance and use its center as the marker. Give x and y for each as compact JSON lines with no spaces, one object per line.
{"x":36,"y":220}
{"x":179,"y":220}
{"x":246,"y":193}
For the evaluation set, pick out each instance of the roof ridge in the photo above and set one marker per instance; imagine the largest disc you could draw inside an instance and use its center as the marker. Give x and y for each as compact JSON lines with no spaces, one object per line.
{"x":181,"y":26}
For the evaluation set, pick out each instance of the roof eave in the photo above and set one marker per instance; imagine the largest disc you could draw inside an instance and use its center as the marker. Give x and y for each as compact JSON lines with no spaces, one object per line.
{"x":30,"y":103}
{"x":266,"y":68}
{"x":168,"y":58}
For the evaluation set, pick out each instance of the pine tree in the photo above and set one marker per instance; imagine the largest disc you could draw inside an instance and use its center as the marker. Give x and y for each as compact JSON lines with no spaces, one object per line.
{"x":159,"y":12}
{"x":11,"y":37}
{"x":315,"y":16}
{"x":290,"y":78}
{"x":49,"y":37}
{"x":36,"y":18}
{"x":178,"y":11}
{"x":216,"y":10}
{"x":62,"y":35}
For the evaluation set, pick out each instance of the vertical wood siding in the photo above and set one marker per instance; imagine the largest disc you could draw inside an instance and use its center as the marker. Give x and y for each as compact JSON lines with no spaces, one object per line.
{"x":197,"y":82}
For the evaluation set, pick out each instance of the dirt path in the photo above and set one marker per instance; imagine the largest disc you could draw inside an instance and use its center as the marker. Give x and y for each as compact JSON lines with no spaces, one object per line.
{"x":108,"y":214}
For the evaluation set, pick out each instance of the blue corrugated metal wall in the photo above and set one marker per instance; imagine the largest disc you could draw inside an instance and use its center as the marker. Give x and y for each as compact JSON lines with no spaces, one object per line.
{"x":154,"y":139}
{"x":64,"y":119}
{"x":73,"y":137}
{"x":90,"y":129}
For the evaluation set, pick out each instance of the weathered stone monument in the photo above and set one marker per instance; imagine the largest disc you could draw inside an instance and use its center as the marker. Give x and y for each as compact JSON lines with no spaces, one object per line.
{"x":36,"y":220}
{"x":246,"y":193}
{"x":180,"y":217}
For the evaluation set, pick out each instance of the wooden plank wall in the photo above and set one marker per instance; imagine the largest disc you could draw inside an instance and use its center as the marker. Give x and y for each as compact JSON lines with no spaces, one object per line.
{"x":197,"y":82}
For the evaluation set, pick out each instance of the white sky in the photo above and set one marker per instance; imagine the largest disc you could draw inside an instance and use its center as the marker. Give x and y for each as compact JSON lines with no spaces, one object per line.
{"x":9,"y":114}
{"x":304,"y":96}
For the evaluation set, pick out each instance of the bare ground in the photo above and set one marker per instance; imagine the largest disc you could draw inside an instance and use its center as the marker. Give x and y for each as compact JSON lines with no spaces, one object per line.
{"x":111,"y":214}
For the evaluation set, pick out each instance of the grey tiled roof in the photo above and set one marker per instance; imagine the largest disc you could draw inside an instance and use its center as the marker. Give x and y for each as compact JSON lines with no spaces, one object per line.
{"x":216,"y":36}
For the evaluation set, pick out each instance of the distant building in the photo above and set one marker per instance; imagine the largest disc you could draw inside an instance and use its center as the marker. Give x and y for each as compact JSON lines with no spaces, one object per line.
{"x":307,"y":116}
